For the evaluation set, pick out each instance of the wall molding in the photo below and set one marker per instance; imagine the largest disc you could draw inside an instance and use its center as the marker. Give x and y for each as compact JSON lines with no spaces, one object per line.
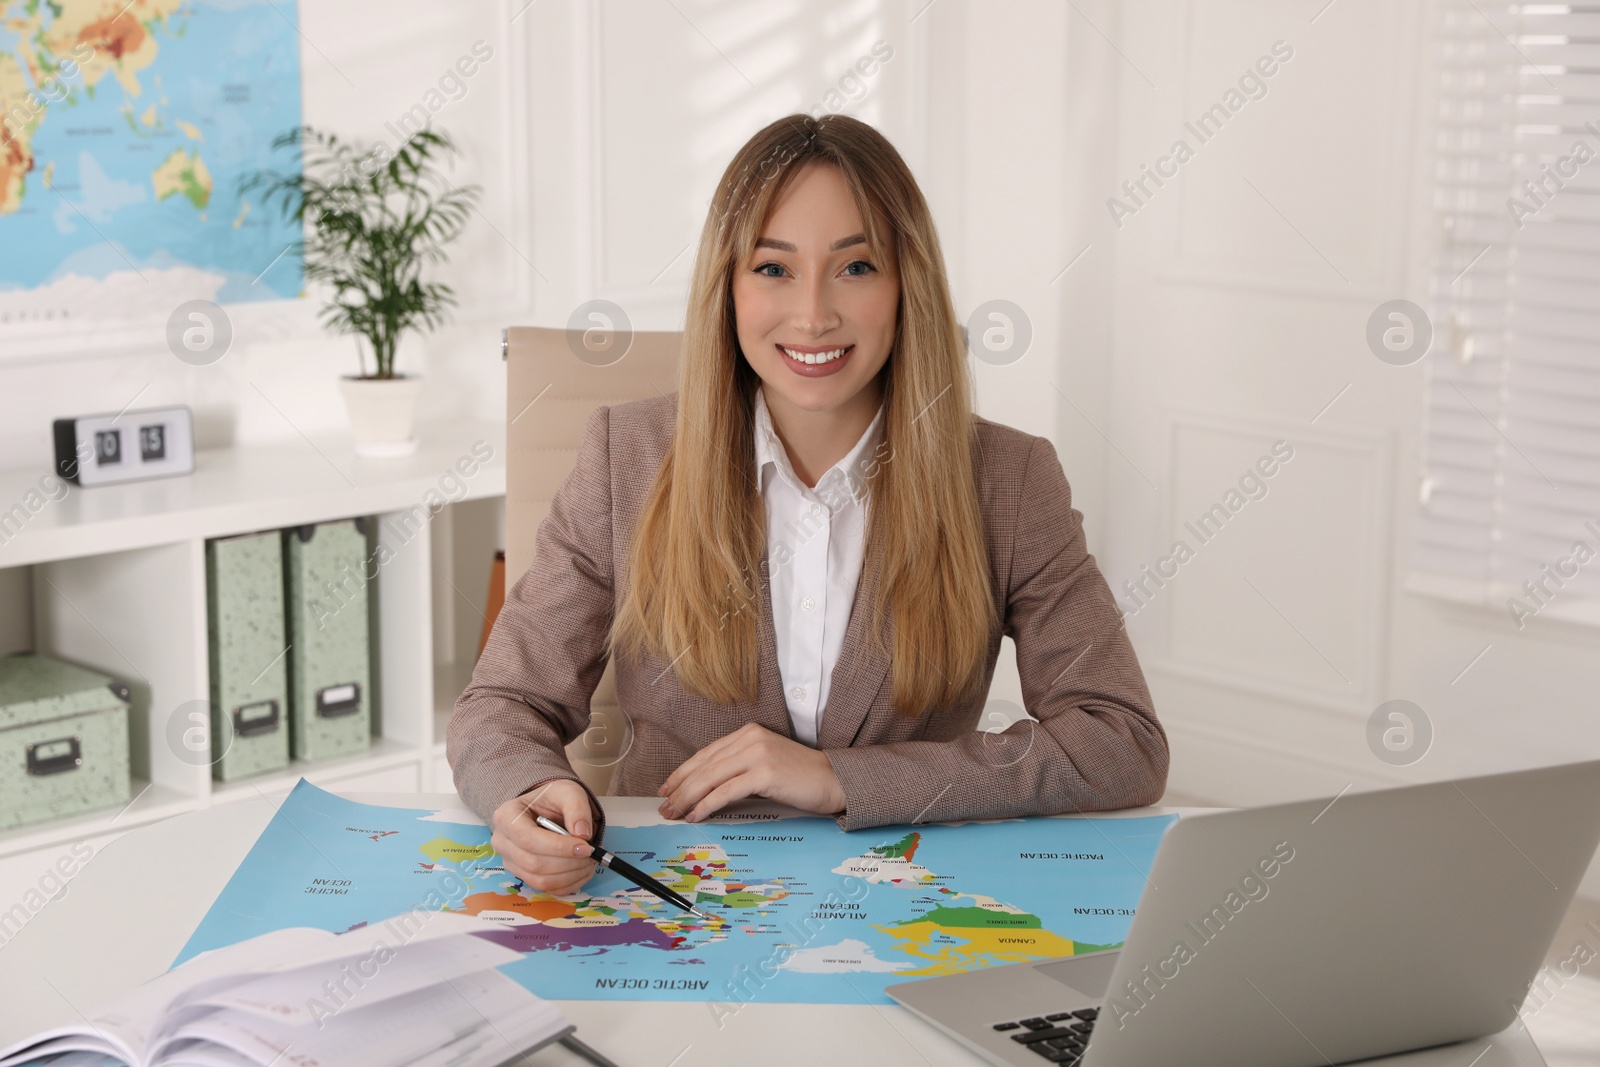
{"x":1272,"y":773}
{"x":1343,"y":707}
{"x":1373,"y":448}
{"x":1285,"y":276}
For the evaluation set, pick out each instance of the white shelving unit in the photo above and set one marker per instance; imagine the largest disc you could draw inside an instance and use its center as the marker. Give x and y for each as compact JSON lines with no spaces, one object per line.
{"x":114,"y":578}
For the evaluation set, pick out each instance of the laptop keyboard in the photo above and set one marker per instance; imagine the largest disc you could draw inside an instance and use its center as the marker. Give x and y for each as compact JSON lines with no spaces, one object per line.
{"x":1058,"y":1038}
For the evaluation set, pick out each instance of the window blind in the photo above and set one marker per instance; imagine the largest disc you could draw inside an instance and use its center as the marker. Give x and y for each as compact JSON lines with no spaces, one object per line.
{"x":1510,"y":501}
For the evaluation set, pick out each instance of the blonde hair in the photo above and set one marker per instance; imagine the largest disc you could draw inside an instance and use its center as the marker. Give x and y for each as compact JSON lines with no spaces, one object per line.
{"x":693,"y":597}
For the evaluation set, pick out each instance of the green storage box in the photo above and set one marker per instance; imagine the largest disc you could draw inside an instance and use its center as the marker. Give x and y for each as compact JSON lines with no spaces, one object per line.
{"x":330,"y":690}
{"x":246,"y":644}
{"x":63,"y":740}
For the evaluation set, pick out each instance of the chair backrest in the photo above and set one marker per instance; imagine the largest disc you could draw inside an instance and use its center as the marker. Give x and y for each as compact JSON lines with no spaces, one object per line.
{"x":554,"y":379}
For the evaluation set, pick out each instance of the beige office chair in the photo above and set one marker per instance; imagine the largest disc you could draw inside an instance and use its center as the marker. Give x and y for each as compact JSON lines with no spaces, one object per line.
{"x":550,"y":392}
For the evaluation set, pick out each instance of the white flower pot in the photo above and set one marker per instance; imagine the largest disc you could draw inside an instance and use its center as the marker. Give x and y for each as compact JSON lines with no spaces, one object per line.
{"x":382,"y":414}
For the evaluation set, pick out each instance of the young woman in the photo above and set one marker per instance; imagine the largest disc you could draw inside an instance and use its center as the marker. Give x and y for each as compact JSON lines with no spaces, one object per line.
{"x":802,"y":562}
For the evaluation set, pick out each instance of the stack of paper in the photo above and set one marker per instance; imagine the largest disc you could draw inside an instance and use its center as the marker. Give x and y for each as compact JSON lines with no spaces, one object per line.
{"x":419,"y":989}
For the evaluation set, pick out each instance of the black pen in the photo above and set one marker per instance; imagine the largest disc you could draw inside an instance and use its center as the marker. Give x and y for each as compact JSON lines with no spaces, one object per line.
{"x":629,"y":871}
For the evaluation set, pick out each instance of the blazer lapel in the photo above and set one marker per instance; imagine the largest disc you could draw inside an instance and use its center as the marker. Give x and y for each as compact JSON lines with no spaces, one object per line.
{"x":770,"y":709}
{"x":859,"y":674}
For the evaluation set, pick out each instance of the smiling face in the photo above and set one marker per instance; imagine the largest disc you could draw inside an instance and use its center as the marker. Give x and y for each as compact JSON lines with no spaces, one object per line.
{"x":811,"y":290}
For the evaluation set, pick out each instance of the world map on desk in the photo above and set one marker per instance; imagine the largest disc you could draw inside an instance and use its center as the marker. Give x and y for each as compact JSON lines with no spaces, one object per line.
{"x":801,"y":911}
{"x":125,"y":127}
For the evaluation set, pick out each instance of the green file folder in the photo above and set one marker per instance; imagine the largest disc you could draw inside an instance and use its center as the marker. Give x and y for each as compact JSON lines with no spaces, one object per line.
{"x":249,"y":678}
{"x":330,"y":688}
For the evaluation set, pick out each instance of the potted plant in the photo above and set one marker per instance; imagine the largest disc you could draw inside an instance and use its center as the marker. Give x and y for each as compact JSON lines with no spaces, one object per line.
{"x":371,"y":221}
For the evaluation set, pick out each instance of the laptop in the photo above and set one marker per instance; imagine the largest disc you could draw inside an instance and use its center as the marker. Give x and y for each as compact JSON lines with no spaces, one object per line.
{"x":1304,"y":934}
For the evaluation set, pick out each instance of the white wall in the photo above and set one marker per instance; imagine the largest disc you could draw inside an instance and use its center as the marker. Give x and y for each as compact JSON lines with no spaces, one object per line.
{"x":1242,"y":292}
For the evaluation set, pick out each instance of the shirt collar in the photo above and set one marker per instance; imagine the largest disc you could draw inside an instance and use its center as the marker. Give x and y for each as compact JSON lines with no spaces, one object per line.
{"x":848,"y":471}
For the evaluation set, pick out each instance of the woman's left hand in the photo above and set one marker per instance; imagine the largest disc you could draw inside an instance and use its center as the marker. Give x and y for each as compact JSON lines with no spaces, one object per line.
{"x":751,"y":762}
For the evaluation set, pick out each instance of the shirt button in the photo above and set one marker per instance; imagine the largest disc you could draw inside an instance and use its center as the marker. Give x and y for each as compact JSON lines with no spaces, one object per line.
{"x":808,"y":603}
{"x":816,"y":509}
{"x":798,"y":692}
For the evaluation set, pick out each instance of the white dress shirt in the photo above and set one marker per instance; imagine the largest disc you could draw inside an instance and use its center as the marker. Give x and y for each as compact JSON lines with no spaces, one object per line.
{"x":815,"y":546}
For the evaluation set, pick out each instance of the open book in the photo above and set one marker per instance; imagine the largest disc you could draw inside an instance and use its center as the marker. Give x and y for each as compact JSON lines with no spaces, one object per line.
{"x":419,"y":989}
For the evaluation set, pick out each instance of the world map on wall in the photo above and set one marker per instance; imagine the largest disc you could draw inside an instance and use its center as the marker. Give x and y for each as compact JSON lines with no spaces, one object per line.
{"x":125,"y":128}
{"x":800,"y":911}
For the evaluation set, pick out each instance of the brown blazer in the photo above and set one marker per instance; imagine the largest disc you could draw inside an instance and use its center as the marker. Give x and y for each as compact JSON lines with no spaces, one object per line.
{"x":1096,"y":745}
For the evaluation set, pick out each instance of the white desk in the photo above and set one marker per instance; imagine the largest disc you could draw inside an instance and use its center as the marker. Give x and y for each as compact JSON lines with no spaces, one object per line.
{"x":128,"y":912}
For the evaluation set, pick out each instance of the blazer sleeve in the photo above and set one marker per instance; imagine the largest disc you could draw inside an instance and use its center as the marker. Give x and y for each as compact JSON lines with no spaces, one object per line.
{"x":529,"y":694}
{"x":1096,"y":744}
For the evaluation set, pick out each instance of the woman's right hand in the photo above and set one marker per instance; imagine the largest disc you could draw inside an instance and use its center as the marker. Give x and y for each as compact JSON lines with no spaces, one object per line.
{"x":544,"y":859}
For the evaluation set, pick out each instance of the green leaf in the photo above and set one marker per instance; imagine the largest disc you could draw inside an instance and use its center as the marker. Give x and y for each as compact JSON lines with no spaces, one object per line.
{"x":369,"y":228}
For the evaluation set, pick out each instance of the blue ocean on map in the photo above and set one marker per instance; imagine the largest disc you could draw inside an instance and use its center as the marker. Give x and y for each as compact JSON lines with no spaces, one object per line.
{"x":105,"y":194}
{"x":801,"y":911}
